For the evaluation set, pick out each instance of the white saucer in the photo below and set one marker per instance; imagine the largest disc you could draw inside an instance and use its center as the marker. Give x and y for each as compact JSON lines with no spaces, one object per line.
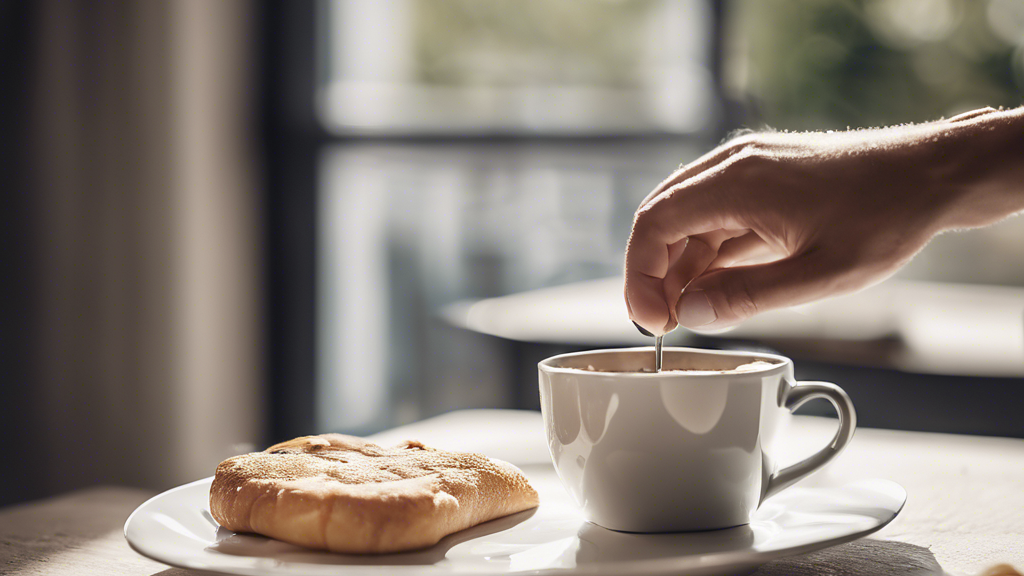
{"x":176,"y":528}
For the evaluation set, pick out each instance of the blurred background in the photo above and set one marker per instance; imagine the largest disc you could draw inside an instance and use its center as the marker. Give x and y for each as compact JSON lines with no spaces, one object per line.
{"x":229,"y":223}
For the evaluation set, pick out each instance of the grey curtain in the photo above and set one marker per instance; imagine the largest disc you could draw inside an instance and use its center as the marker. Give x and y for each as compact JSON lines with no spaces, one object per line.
{"x":137,"y":202}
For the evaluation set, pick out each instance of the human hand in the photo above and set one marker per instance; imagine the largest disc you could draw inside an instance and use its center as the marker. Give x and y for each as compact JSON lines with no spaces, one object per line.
{"x":779,"y":219}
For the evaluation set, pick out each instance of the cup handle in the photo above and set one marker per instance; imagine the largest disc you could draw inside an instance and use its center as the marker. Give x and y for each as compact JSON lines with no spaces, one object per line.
{"x":797,"y":396}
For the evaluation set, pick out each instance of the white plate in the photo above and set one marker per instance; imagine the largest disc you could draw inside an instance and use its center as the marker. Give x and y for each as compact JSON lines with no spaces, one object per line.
{"x":176,"y":528}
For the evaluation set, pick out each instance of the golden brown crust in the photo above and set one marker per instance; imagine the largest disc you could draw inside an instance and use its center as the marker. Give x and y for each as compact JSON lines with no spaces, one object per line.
{"x":345,"y":494}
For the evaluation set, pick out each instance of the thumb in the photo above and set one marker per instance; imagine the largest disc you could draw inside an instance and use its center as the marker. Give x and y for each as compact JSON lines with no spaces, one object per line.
{"x":727,"y":296}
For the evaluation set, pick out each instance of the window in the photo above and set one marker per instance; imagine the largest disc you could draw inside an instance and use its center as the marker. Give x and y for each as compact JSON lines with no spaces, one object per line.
{"x":574,"y":67}
{"x":481,"y":149}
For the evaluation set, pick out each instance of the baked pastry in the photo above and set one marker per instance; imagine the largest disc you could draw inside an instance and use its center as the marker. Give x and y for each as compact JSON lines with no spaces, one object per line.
{"x":345,"y":494}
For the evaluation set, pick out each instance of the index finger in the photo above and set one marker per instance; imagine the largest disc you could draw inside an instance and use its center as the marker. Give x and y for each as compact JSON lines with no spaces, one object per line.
{"x":674,"y":215}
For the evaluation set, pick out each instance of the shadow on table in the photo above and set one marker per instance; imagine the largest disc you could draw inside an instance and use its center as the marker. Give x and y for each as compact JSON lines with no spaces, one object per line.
{"x":864,"y":557}
{"x":601,"y":547}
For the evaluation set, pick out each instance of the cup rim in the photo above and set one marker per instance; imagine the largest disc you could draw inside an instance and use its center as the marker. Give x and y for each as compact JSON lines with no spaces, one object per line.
{"x":782,"y":361}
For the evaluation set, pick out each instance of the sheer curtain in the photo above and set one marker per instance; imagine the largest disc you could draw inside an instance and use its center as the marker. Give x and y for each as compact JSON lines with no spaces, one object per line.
{"x":144,"y":318}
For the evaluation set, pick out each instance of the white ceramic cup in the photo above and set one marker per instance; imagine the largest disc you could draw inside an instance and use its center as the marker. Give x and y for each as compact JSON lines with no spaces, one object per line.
{"x":676,"y":451}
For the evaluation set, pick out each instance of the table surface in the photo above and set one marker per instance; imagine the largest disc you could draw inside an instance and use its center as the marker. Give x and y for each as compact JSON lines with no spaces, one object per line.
{"x":964,"y":514}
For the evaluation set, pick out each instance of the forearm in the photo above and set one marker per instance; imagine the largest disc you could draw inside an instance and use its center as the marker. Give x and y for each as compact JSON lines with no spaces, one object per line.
{"x":980,"y":162}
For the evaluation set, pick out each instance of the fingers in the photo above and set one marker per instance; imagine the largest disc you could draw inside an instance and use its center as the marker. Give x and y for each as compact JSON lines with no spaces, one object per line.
{"x":656,"y":241}
{"x":700,"y":252}
{"x":696,"y":204}
{"x":645,"y":301}
{"x":690,"y":264}
{"x":743,"y":248}
{"x":727,"y":296}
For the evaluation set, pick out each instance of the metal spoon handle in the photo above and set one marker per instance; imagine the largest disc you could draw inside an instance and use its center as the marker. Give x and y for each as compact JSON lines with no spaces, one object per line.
{"x":657,"y":353}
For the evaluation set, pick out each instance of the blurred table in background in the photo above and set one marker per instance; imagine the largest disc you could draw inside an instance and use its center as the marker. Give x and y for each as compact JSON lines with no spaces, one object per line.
{"x":913,"y":355}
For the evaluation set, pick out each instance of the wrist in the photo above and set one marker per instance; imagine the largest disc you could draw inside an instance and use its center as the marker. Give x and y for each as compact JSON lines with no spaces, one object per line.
{"x":975,"y":165}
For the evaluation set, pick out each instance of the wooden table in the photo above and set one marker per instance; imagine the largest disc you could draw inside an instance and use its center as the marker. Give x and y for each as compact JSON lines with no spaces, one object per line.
{"x":965,"y":512}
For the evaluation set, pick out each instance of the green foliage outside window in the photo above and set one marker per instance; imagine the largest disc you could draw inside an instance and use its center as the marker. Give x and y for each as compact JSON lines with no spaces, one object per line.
{"x":829,"y":64}
{"x":521,"y":42}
